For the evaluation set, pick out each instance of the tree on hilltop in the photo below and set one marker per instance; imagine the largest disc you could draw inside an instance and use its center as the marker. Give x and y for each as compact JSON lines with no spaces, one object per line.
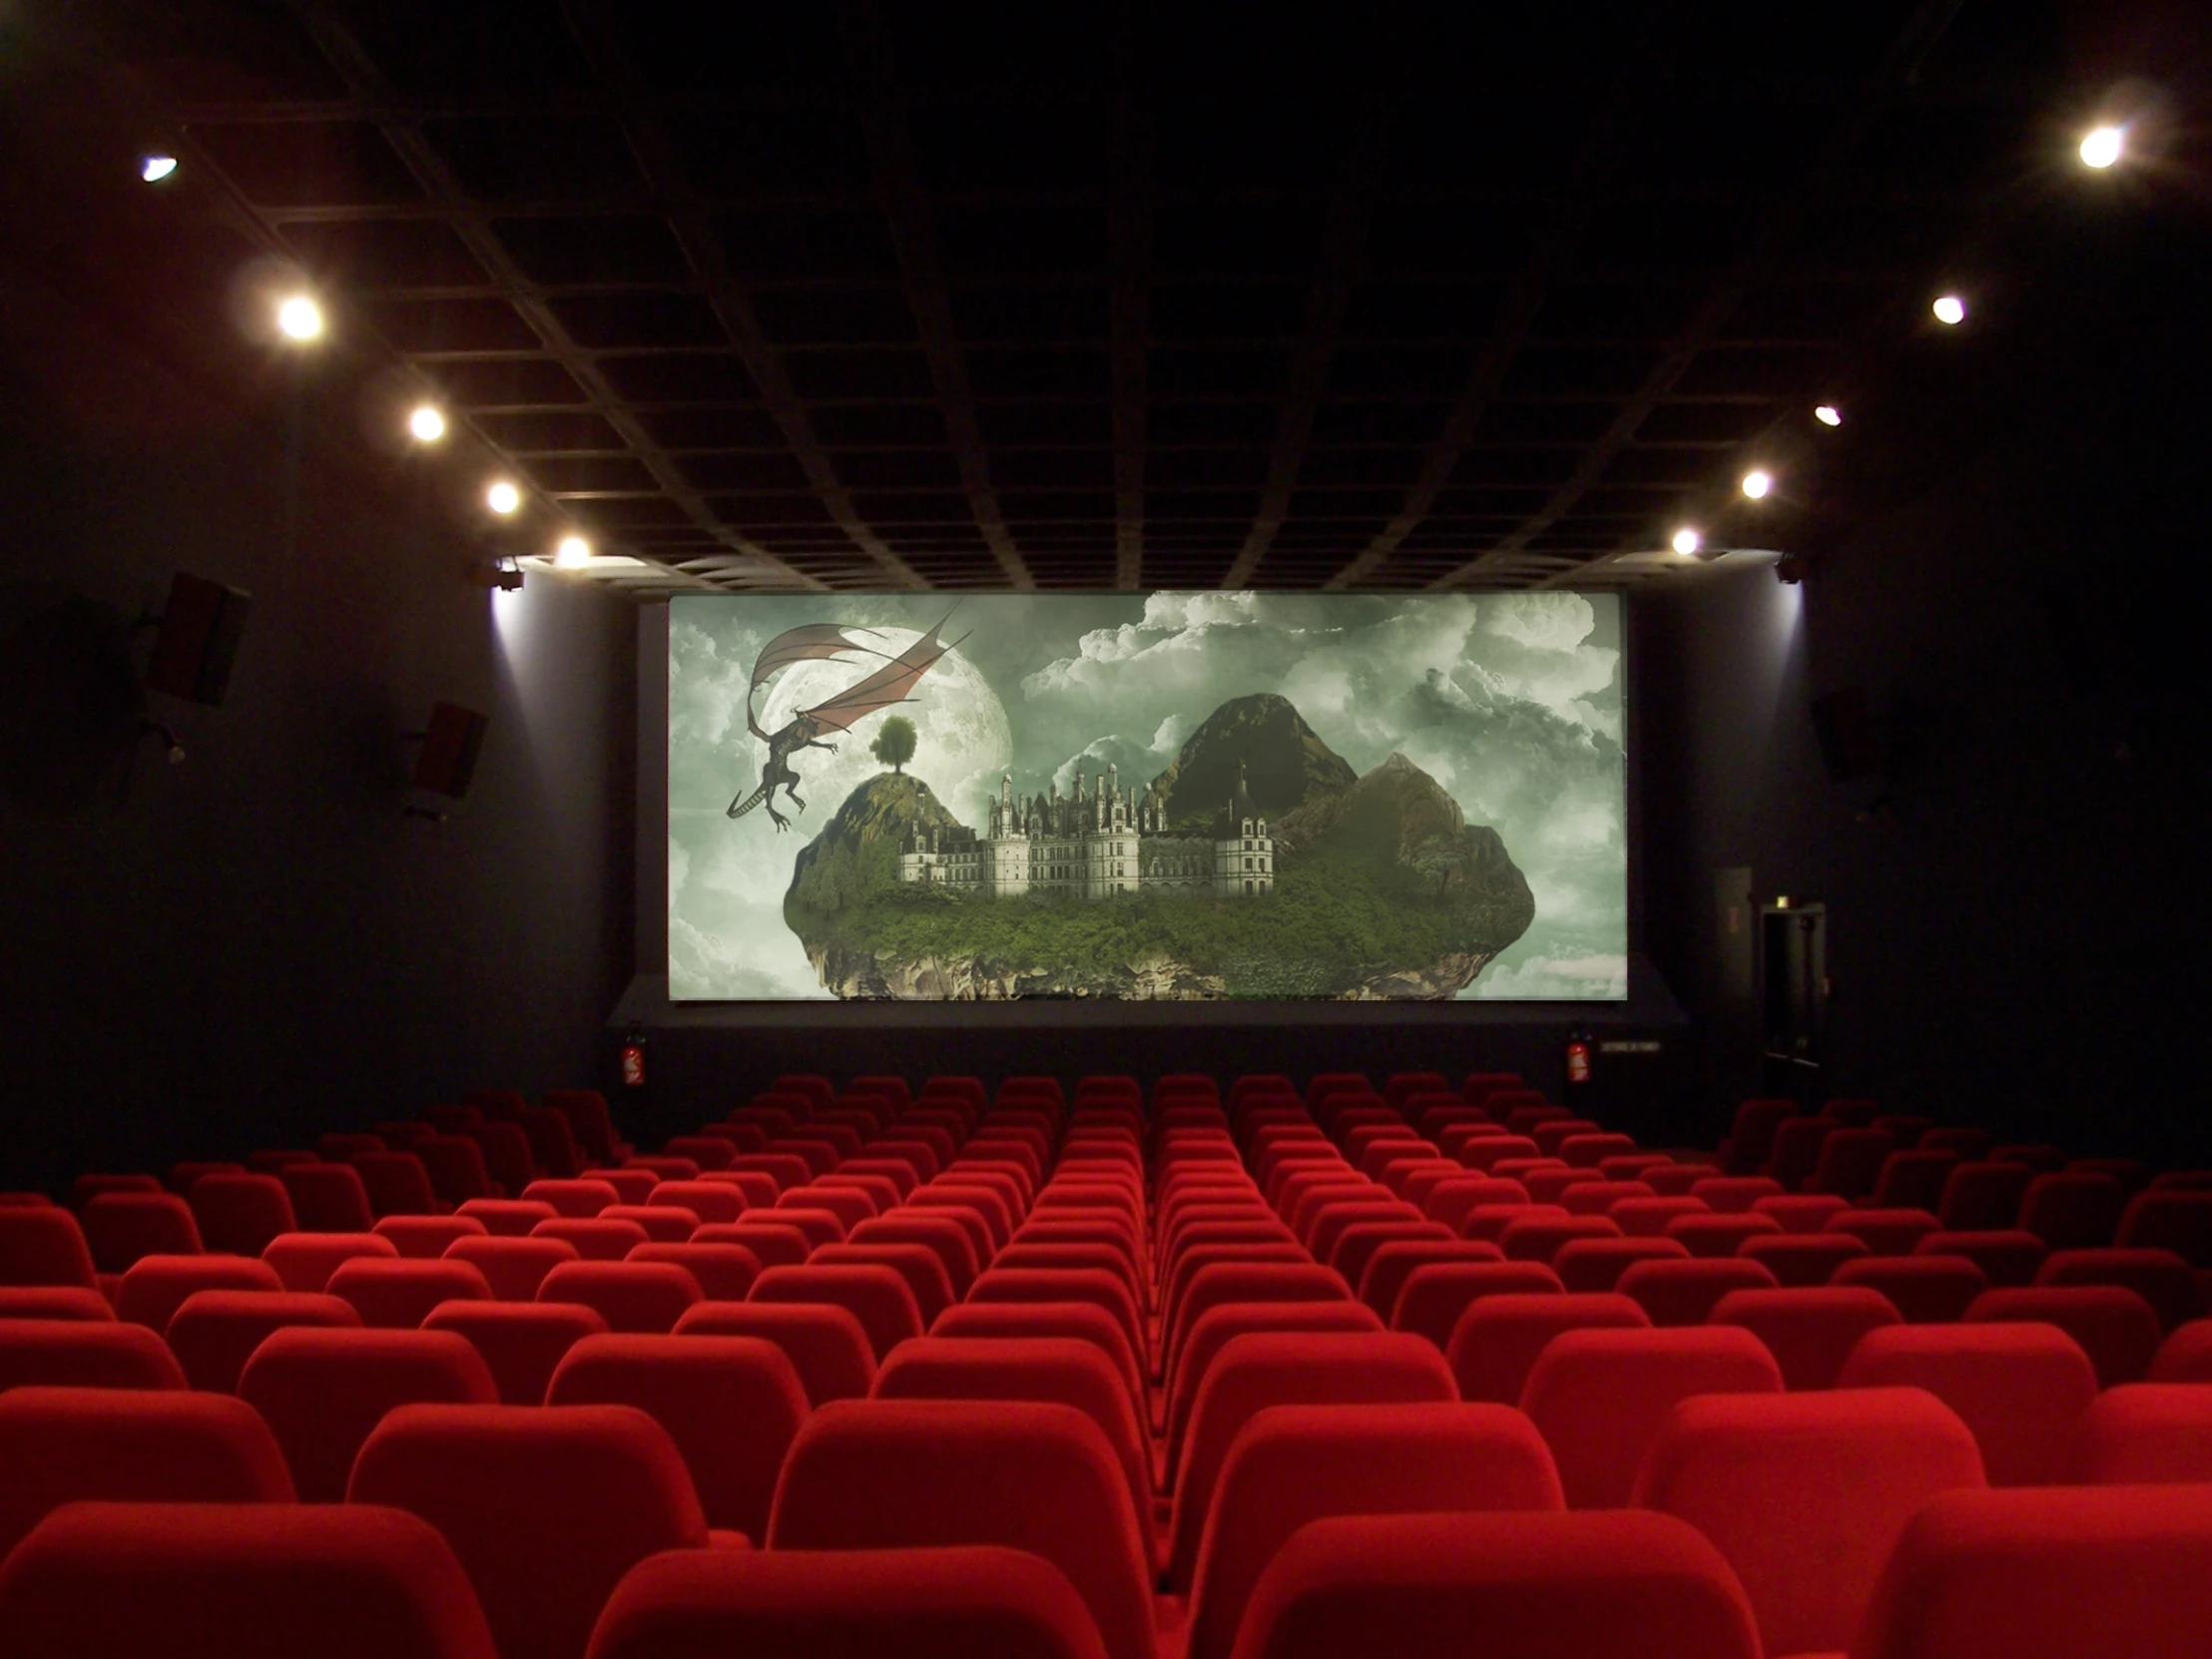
{"x":895,"y":744}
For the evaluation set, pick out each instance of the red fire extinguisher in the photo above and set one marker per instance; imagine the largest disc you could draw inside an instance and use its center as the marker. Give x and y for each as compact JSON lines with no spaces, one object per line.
{"x":633,"y":1063}
{"x":1578,"y":1059}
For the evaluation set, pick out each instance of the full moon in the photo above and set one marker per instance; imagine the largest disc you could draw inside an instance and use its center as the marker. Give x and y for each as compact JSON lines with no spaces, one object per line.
{"x":963,"y":743}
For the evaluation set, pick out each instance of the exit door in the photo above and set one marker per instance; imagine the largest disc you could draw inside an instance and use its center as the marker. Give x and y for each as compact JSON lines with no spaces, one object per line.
{"x":1793,"y":979}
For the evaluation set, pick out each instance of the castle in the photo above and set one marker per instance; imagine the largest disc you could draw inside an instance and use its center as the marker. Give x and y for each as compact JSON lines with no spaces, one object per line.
{"x":1099,"y":842}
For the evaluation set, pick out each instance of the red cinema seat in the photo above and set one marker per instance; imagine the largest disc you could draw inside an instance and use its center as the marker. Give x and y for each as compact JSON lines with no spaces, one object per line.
{"x":918,"y":1265}
{"x":2076,"y":1210}
{"x":156,"y":1286}
{"x":2116,"y":1327}
{"x":545,"y":1507}
{"x":552,"y":1144}
{"x":2185,"y":1356}
{"x":705,"y":1152}
{"x":54,"y":1302}
{"x":1851,"y":1162}
{"x":1799,"y":1261}
{"x":1647,"y":1217}
{"x":507,"y":1156}
{"x":520,"y":1343}
{"x":1809,"y":1333}
{"x":215,"y":1331}
{"x":1263,"y":1369}
{"x":398,"y":1184}
{"x":323,"y":1391}
{"x":595,"y":1238}
{"x":1220,"y":1325}
{"x":1717,"y":1236}
{"x":1925,"y":1290}
{"x":1914,"y":1179}
{"x":636,"y":1181}
{"x":1797,"y":1150}
{"x":1081,"y":1320}
{"x":2059,"y":1572}
{"x":1293,"y":1464}
{"x":119,"y":1228}
{"x":826,"y":1345}
{"x":1599,"y":1397}
{"x":1496,"y":1344}
{"x":589,"y":1122}
{"x":1585,"y":1264}
{"x":1750,"y":1140}
{"x":305,"y":1261}
{"x":2019,"y":1389}
{"x":952,"y":1603}
{"x":732,"y":1404}
{"x":69,"y":1444}
{"x":513,"y":1267}
{"x":1436,"y":1294}
{"x":878,"y":1297}
{"x":724,"y":1272}
{"x":576,"y":1199}
{"x":1093,"y":1284}
{"x":1734,"y":1195}
{"x":507,"y":1218}
{"x":1065,"y":1371}
{"x":2160,"y":1277}
{"x":2009,"y":1256}
{"x":2179,"y":1221}
{"x":1983,"y":1196}
{"x":426,"y":1237}
{"x":879,"y":1474}
{"x":88,"y":1354}
{"x":456,"y":1168}
{"x":708,"y":1200}
{"x":395,"y":1296}
{"x":1395,"y":1262}
{"x":1684,"y":1292}
{"x":1886,"y":1232}
{"x":773,"y":1244}
{"x":1535,"y":1586}
{"x":270,"y":1580}
{"x":239,"y":1213}
{"x":1801,"y":1212}
{"x":634,"y":1297}
{"x":1806,"y":1495}
{"x":2145,"y":1433}
{"x":88,"y":1186}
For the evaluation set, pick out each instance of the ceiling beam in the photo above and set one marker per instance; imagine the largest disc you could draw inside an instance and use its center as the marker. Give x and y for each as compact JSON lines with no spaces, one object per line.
{"x":1129,"y":233}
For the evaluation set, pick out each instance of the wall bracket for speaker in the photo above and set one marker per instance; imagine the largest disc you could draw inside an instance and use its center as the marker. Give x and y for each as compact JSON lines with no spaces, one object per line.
{"x":171,"y":746}
{"x":445,"y":765}
{"x":199,"y":632}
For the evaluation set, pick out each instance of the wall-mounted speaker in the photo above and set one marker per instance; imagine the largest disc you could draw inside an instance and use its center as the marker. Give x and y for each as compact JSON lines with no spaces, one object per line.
{"x":201,"y":628}
{"x":1851,"y":742}
{"x":449,"y":750}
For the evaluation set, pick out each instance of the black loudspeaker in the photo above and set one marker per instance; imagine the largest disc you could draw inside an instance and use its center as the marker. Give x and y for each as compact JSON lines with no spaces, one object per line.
{"x":1850,"y":743}
{"x":449,"y":750}
{"x":199,"y":639}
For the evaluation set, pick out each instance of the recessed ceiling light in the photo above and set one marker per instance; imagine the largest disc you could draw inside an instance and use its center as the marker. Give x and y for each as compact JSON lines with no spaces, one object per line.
{"x":154,"y":169}
{"x":2102,"y":146}
{"x":1828,"y":414}
{"x":426,"y":424}
{"x":1950,"y":310}
{"x":1757,"y":483}
{"x":1687,"y":541}
{"x":573,"y":551}
{"x":503,"y":498}
{"x":298,"y":318}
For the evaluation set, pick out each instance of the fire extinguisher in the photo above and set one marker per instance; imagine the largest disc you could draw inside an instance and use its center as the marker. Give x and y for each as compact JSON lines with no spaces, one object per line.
{"x":633,"y":1062}
{"x":1578,"y":1059}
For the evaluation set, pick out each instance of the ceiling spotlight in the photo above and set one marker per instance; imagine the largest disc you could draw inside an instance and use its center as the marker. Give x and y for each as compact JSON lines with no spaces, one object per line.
{"x":298,"y":318}
{"x":573,"y":553}
{"x":426,"y":424}
{"x":1687,"y":541}
{"x":1828,"y":414}
{"x":1950,"y":310}
{"x":1757,"y":483}
{"x":503,"y":498}
{"x":154,"y":169}
{"x":2102,"y":146}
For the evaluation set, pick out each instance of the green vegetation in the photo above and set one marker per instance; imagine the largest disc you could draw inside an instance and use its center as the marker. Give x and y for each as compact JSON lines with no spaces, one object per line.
{"x":895,"y":744}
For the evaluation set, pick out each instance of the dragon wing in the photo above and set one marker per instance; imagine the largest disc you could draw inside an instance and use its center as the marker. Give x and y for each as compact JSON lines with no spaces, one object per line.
{"x":886,"y":686}
{"x":815,"y":640}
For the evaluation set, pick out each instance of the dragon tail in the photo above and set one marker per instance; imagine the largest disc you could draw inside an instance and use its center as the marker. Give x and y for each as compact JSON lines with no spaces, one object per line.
{"x":739,"y":808}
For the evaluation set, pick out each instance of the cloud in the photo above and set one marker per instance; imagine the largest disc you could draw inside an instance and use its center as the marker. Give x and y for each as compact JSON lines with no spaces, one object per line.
{"x":1562,"y":978}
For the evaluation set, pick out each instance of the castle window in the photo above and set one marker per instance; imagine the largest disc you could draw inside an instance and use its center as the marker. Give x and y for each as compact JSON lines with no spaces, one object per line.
{"x":1248,"y":889}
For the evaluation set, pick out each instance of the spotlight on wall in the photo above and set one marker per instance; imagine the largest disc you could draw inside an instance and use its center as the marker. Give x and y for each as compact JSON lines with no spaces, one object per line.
{"x":502,"y":498}
{"x":155,"y":167}
{"x":1758,"y":483}
{"x":425,"y":424}
{"x":1687,"y":541}
{"x":1791,"y":569}
{"x":1950,"y":310}
{"x":502,"y":573}
{"x":298,"y":318}
{"x":1828,"y":414}
{"x":573,"y":553}
{"x":2102,"y":146}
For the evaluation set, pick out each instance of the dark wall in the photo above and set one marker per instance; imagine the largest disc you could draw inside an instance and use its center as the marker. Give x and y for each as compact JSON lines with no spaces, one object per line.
{"x":2008,"y":558}
{"x":254,"y":945}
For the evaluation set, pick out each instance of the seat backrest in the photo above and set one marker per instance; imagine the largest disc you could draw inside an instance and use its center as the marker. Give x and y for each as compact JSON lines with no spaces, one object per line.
{"x":977,"y":1599}
{"x":215,"y":1333}
{"x":240,"y":1213}
{"x":54,"y":1302}
{"x":874,"y":1475}
{"x":1290,"y":1464}
{"x":2177,"y":1221}
{"x":545,"y":1507}
{"x":277,"y":1580}
{"x":1809,"y":1332}
{"x":2054,"y":1572}
{"x":305,"y":1261}
{"x":157,"y":1285}
{"x":1415,"y":1586}
{"x":2160,"y":1277}
{"x":2185,"y":1356}
{"x":2019,"y":1389}
{"x":573,"y":1197}
{"x":397,"y":1295}
{"x":1082,"y":1321}
{"x":1984,"y":1195}
{"x":520,"y":1343}
{"x":2072,"y":1210}
{"x":1806,"y":1495}
{"x":1263,"y":1369}
{"x":120,"y":1227}
{"x":826,"y":1343}
{"x":1436,"y":1294}
{"x":66,"y":1445}
{"x":878,"y":1297}
{"x":321,"y":1392}
{"x":2116,"y":1327}
{"x":1599,"y":1397}
{"x":634,"y":1297}
{"x":85,"y":1354}
{"x":1925,"y":1290}
{"x":1497,"y":1339}
{"x":2142,"y":1433}
{"x":732,"y":1404}
{"x":513,"y":1267}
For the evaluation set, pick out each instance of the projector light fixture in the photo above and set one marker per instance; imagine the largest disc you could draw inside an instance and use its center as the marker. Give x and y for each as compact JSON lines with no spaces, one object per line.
{"x":573,"y":553}
{"x":1828,"y":414}
{"x":1687,"y":541}
{"x":2102,"y":146}
{"x":1757,"y":483}
{"x":155,"y":167}
{"x":426,"y":425}
{"x":298,"y":318}
{"x":502,"y":498}
{"x":1950,"y":310}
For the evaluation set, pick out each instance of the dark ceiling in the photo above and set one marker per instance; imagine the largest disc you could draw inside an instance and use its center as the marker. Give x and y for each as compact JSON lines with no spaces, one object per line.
{"x":1094,"y":294}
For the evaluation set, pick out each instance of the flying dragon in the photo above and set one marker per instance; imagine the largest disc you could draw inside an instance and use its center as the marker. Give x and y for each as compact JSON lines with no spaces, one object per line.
{"x":888,"y":685}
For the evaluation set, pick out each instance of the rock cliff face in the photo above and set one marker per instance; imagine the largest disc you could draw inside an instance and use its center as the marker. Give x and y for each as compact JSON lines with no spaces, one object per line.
{"x":1286,"y":762}
{"x":864,"y":974}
